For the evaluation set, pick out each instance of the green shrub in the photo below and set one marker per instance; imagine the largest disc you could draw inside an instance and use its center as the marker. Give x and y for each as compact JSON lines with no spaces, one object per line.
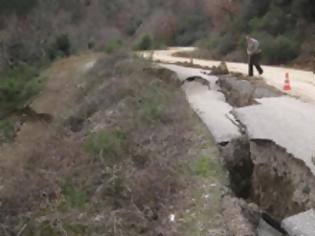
{"x":304,"y":9}
{"x":191,"y":28}
{"x":286,"y":49}
{"x":61,"y":47}
{"x":112,"y":46}
{"x":145,"y":42}
{"x":211,"y":42}
{"x":63,"y":44}
{"x":278,"y":50}
{"x":20,"y":7}
{"x":150,"y":109}
{"x":274,"y":22}
{"x":206,"y":167}
{"x":74,"y":197}
{"x":108,"y":145}
{"x":227,"y":44}
{"x":18,"y":86}
{"x":7,"y":131}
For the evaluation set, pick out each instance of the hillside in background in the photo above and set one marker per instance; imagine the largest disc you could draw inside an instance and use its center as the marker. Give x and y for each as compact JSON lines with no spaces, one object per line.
{"x":33,"y":29}
{"x":285,"y":28}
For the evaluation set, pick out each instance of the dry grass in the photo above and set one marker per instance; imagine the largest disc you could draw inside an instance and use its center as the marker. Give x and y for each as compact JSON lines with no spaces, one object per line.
{"x":117,"y":173}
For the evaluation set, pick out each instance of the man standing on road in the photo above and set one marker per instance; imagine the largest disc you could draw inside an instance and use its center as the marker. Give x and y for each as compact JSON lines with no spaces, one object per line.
{"x":254,"y":54}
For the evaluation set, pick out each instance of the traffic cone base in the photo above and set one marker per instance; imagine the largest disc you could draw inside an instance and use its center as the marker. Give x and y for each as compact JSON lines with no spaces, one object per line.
{"x":287,"y":86}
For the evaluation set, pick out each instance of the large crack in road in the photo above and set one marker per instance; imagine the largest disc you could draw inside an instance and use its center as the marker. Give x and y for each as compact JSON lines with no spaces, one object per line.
{"x":267,"y":141}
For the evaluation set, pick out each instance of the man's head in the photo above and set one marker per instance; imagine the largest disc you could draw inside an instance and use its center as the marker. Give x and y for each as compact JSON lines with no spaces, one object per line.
{"x":248,"y":37}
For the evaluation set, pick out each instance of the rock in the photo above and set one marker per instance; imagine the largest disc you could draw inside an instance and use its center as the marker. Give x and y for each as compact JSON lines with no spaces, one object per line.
{"x":302,"y":224}
{"x":222,"y":69}
{"x":241,"y":92}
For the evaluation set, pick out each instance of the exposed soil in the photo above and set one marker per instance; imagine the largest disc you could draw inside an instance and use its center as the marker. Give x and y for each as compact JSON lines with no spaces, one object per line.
{"x":240,"y":166}
{"x":57,"y":96}
{"x":281,"y":184}
{"x":261,"y":171}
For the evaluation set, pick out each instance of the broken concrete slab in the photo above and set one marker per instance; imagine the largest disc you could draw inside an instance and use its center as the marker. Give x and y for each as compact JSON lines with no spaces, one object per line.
{"x":286,"y":121}
{"x":213,"y":110}
{"x":302,"y":224}
{"x":243,"y":92}
{"x":186,"y":72}
{"x":210,"y":105}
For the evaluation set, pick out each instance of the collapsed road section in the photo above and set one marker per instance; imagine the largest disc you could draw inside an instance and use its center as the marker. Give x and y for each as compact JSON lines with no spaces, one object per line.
{"x":267,"y":140}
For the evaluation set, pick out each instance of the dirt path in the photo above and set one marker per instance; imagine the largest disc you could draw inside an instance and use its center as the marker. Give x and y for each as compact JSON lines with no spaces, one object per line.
{"x":302,"y":82}
{"x":62,"y":84}
{"x":63,"y":80}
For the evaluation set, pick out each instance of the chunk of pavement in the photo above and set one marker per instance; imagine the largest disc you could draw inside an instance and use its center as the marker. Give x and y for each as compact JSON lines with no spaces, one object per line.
{"x":241,"y":92}
{"x":221,"y":69}
{"x":302,"y":224}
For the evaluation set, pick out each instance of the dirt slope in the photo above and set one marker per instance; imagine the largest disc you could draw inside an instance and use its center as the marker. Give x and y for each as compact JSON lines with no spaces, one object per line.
{"x":56,"y":97}
{"x":131,"y":164}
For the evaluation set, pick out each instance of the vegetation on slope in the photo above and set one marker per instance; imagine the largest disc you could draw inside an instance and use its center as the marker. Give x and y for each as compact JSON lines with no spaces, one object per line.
{"x":117,"y":164}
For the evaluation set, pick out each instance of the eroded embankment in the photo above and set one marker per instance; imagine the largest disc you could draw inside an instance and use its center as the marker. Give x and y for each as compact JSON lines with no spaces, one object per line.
{"x":281,"y":184}
{"x":260,"y":170}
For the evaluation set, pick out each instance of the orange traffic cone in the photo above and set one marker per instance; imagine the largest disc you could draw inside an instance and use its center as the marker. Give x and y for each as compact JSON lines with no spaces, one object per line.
{"x":287,"y":86}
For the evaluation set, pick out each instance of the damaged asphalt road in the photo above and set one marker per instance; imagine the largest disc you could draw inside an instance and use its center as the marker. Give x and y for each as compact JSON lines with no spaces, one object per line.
{"x":274,"y":165}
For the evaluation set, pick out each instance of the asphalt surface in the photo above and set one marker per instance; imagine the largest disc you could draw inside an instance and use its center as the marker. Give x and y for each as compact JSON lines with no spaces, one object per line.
{"x":210,"y":105}
{"x":287,"y":121}
{"x":302,"y":82}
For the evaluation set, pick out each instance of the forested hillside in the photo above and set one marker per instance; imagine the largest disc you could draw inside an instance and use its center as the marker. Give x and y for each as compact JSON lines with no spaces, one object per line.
{"x":285,"y":28}
{"x":32,"y":29}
